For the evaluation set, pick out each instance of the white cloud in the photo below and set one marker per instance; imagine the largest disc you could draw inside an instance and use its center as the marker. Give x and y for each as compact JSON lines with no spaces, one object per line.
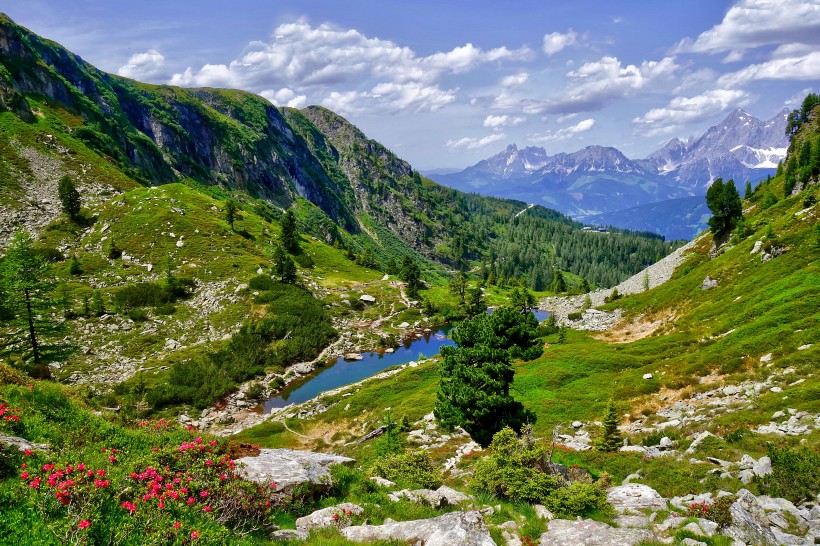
{"x":683,"y":110}
{"x":565,"y":117}
{"x":496,"y":122}
{"x":285,"y":97}
{"x":144,"y":66}
{"x":514,"y":80}
{"x":565,"y":133}
{"x":595,"y":84}
{"x":805,"y":68}
{"x":753,"y":23}
{"x":555,"y":41}
{"x":473,"y":143}
{"x":335,"y":65}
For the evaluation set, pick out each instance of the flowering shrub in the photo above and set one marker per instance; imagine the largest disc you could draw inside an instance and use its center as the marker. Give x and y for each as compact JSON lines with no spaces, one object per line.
{"x":717,"y":511}
{"x":174,"y":493}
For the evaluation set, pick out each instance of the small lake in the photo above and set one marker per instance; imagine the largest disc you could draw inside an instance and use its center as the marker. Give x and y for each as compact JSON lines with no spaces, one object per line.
{"x":343,"y":372}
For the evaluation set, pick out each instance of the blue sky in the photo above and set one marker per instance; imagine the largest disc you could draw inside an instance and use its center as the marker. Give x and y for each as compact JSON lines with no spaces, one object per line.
{"x":444,"y":84}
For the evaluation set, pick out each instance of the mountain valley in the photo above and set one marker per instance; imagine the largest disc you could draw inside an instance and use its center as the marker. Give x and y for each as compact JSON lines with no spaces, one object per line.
{"x":175,"y":258}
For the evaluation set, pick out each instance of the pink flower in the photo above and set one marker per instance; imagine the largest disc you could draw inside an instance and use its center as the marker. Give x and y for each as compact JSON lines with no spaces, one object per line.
{"x":24,"y":475}
{"x":194,"y":535}
{"x":112,"y":458}
{"x":177,"y":525}
{"x":203,"y":494}
{"x":191,"y":500}
{"x":207,"y":509}
{"x":28,"y":452}
{"x":130,"y":506}
{"x":84,"y":523}
{"x":101,"y":473}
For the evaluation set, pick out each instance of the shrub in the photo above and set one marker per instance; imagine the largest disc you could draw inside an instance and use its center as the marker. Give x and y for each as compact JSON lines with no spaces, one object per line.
{"x":517,"y":469}
{"x":74,"y":266}
{"x":413,"y":469}
{"x":138,"y":315}
{"x":152,"y":294}
{"x":717,"y":511}
{"x":575,"y":316}
{"x":255,"y":391}
{"x":577,"y":499}
{"x":49,"y":254}
{"x":795,"y":474}
{"x":165,"y":309}
{"x":261,"y":282}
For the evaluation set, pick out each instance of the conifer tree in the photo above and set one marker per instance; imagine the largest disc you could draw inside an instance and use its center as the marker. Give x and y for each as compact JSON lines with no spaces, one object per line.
{"x":411,"y":275}
{"x":22,"y":275}
{"x":283,"y":267}
{"x":558,"y":286}
{"x":458,"y":287}
{"x":290,"y":235}
{"x":748,"y":193}
{"x":231,"y":212}
{"x":69,"y":198}
{"x":611,"y":439}
{"x":474,"y":390}
{"x":724,"y":202}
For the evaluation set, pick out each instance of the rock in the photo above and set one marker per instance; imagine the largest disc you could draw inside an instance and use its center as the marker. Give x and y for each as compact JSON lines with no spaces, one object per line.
{"x":288,"y":468}
{"x":353,"y":356}
{"x":804,"y":347}
{"x":382,"y":481}
{"x":746,"y":476}
{"x":452,"y":496}
{"x":332,"y":516}
{"x":635,"y":476}
{"x":757,"y":246}
{"x":778,"y":415}
{"x":634,"y":496}
{"x":367,"y":298}
{"x":455,"y":528}
{"x":542,"y":512}
{"x":404,"y":325}
{"x":638,"y":522}
{"x":667,"y":442}
{"x":766,"y":358}
{"x":284,"y":535}
{"x":693,"y":542}
{"x":577,"y":424}
{"x":708,"y":283}
{"x":762,"y":467}
{"x":22,"y":444}
{"x":561,"y":532}
{"x":750,"y":524}
{"x":647,"y":376}
{"x":731,"y":390}
{"x":697,"y":441}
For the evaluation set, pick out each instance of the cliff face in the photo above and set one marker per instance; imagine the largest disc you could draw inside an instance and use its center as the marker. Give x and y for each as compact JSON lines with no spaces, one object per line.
{"x":160,"y":134}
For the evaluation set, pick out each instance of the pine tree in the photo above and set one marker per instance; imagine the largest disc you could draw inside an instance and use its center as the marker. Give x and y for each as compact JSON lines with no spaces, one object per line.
{"x":724,"y":202}
{"x":748,"y":193}
{"x":559,"y":286}
{"x":611,"y":439}
{"x":411,"y":275}
{"x":458,"y":287}
{"x":283,"y":267}
{"x":69,"y":198}
{"x":290,"y":235}
{"x":97,"y":304}
{"x":474,"y":390}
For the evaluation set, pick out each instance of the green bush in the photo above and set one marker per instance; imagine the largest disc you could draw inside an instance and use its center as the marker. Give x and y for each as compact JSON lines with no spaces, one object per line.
{"x":165,"y":309}
{"x":152,"y":294}
{"x":138,"y":314}
{"x":413,"y":469}
{"x":261,"y":282}
{"x":575,"y":316}
{"x":517,"y":469}
{"x":795,"y":474}
{"x":577,"y":499}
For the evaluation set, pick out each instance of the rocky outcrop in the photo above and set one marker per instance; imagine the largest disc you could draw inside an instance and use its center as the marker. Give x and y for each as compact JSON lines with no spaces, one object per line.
{"x":332,"y":516}
{"x":750,"y":524}
{"x":634,"y":497}
{"x":288,"y":468}
{"x":455,"y":528}
{"x":441,"y":497}
{"x":561,"y":532}
{"x":22,"y":444}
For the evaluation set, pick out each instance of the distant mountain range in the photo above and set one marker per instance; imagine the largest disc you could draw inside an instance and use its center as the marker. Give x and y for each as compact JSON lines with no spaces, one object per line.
{"x":595,"y":182}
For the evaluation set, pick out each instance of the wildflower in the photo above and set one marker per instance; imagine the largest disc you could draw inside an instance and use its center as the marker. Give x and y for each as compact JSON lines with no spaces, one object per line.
{"x":203,"y":494}
{"x":130,"y":506}
{"x":177,"y":525}
{"x":24,"y":475}
{"x":28,"y":452}
{"x":207,"y":509}
{"x":84,"y":523}
{"x":194,"y":534}
{"x":112,"y":458}
{"x":191,"y":500}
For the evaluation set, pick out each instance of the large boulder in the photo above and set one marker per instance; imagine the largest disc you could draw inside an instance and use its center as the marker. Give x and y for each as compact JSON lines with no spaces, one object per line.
{"x":634,"y":497}
{"x":750,"y":524}
{"x":561,"y":532}
{"x":455,"y":528}
{"x":21,"y":443}
{"x":288,"y":468}
{"x":332,"y":516}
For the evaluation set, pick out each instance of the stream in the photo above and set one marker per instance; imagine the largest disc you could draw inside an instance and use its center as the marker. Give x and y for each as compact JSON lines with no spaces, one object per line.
{"x":343,"y":372}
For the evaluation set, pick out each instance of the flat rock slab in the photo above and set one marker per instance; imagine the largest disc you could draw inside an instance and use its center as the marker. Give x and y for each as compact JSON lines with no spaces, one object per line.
{"x":333,"y":516}
{"x":634,"y":497}
{"x":288,"y":468}
{"x":455,"y":528}
{"x":562,"y":532}
{"x":21,"y":443}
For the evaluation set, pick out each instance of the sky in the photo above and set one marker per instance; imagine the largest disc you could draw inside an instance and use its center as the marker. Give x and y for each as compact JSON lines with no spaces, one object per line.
{"x":446,"y":84}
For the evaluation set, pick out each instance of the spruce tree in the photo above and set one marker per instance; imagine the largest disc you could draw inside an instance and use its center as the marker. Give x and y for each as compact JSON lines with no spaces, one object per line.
{"x":611,"y":439}
{"x":748,"y":193}
{"x":724,"y":202}
{"x":411,"y":275}
{"x":290,"y":235}
{"x":231,"y":212}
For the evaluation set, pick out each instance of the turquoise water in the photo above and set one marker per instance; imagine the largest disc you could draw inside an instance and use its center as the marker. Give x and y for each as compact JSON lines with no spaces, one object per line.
{"x":342,"y":372}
